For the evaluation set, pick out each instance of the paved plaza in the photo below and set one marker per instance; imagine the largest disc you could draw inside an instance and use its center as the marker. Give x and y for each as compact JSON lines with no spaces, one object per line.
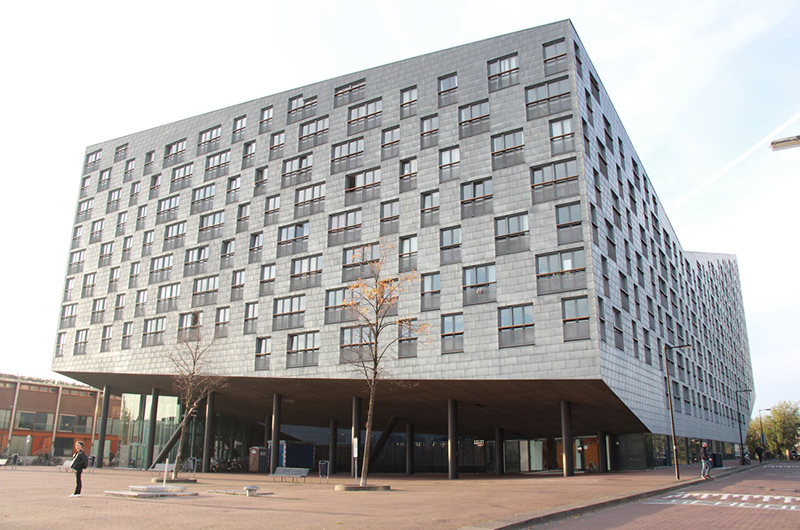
{"x":38,"y":497}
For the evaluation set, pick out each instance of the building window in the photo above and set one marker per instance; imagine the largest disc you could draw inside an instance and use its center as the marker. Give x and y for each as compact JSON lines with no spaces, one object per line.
{"x":347,"y":155}
{"x":227,"y":252}
{"x":503,"y":72}
{"x":337,"y":306}
{"x":209,"y":140}
{"x":429,"y":131}
{"x":155,"y":186}
{"x":390,"y":217}
{"x":364,"y":117}
{"x":97,"y":231}
{"x":149,"y":160}
{"x":363,"y":186}
{"x":306,"y":273}
{"x":181,"y":177}
{"x":449,"y":164}
{"x":313,"y":133}
{"x":289,"y":312}
{"x":429,"y":209}
{"x":120,"y":152}
{"x":130,"y":166}
{"x":211,"y":225}
{"x":344,"y":228}
{"x":77,"y":232}
{"x":148,"y":238}
{"x":555,"y":57}
{"x":568,"y":223}
{"x":515,"y":326}
{"x":554,"y":181}
{"x":595,"y":86}
{"x":301,"y":108}
{"x":354,"y":344}
{"x":511,"y":234}
{"x":84,"y":210}
{"x":358,"y":261}
{"x":507,"y":150}
{"x":297,"y":170}
{"x":265,"y":120}
{"x":127,"y":335}
{"x":92,"y":161}
{"x":98,"y":310}
{"x":167,"y":209}
{"x":106,"y":253}
{"x":69,"y":313}
{"x":189,"y":325}
{"x":267,"y":280}
{"x":408,"y":253}
{"x":174,"y":235}
{"x":349,"y":93}
{"x":61,"y":344}
{"x":293,"y":239}
{"x":309,"y":200}
{"x":476,"y":198}
{"x":450,"y":245}
{"x":168,"y":297}
{"x":218,"y":165}
{"x":448,"y":90}
{"x":174,"y":153}
{"x":104,"y":180}
{"x":562,"y":139}
{"x":390,"y":143}
{"x":113,"y":200}
{"x":560,"y":271}
{"x":256,"y":246}
{"x":153,"y":333}
{"x":232,"y":191}
{"x":119,"y":307}
{"x":575,"y":318}
{"x":473,"y":119}
{"x":242,"y":217}
{"x":263,"y":351}
{"x":195,"y":261}
{"x":408,"y":174}
{"x":260,"y":181}
{"x":303,"y":349}
{"x":407,"y":338}
{"x":277,"y":141}
{"x":203,"y":198}
{"x":89,"y":281}
{"x":453,"y":333}
{"x":408,"y":102}
{"x":250,"y":318}
{"x":76,"y":260}
{"x":222,"y":320}
{"x":141,"y":217}
{"x":619,"y":337}
{"x":204,"y":291}
{"x":81,"y":340}
{"x":480,"y":284}
{"x":248,"y":154}
{"x":272,"y":209}
{"x":69,"y":286}
{"x":239,"y":125}
{"x":122,"y":220}
{"x":547,"y":98}
{"x":133,"y":275}
{"x":430,"y":293}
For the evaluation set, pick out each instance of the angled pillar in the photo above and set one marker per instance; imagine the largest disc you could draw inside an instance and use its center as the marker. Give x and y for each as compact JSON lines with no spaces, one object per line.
{"x":499,"y":452}
{"x":452,"y":439}
{"x":208,"y":434}
{"x":602,"y":460}
{"x":355,"y":434}
{"x":567,"y":445}
{"x":103,"y":426}
{"x":275,"y":450}
{"x":333,"y":439}
{"x":380,"y":443}
{"x":151,"y":432}
{"x":409,"y":448}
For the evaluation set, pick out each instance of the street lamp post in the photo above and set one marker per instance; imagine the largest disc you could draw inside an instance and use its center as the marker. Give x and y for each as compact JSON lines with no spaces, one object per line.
{"x":761,"y":423}
{"x":739,"y":422}
{"x":671,"y":412}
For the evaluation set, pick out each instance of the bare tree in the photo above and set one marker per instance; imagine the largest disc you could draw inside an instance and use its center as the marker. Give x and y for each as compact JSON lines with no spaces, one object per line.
{"x":372,"y":301}
{"x":193,"y":381}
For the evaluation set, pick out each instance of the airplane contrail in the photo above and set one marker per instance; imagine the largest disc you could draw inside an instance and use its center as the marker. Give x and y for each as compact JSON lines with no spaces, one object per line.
{"x":719,"y":174}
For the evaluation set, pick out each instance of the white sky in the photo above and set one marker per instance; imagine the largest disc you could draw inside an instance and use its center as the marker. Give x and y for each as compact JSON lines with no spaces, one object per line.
{"x":698,"y":85}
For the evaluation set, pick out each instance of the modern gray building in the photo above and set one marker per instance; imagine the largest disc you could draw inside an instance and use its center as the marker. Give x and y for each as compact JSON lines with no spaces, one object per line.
{"x":551,"y":278}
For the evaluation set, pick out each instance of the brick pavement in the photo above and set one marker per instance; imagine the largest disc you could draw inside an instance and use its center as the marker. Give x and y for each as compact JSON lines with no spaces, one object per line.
{"x":37,"y":497}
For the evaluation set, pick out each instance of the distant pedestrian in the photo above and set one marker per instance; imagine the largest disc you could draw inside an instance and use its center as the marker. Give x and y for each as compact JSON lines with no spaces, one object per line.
{"x":79,"y":463}
{"x":705,"y":457}
{"x":760,"y":454}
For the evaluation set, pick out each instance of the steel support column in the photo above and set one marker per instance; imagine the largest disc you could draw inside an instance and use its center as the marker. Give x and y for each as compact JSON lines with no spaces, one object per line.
{"x":567,"y":444}
{"x":276,"y":433}
{"x":452,"y":439}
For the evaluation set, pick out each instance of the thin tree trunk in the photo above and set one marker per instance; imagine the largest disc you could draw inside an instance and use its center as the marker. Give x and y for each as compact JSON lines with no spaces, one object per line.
{"x":180,"y":448}
{"x":368,"y":440}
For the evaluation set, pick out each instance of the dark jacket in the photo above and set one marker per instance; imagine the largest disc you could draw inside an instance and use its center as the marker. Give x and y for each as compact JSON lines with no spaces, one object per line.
{"x":704,"y":453}
{"x":80,"y":461}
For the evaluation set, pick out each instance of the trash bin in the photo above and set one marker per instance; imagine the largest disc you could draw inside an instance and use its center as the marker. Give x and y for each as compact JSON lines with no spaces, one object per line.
{"x":716,"y":458}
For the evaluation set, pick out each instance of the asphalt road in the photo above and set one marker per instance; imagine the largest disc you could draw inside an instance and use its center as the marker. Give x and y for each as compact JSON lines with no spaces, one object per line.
{"x":765,"y":497}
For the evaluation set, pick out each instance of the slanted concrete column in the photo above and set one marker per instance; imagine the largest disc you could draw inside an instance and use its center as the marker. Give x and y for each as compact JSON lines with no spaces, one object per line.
{"x":499,"y":452}
{"x":355,"y":433}
{"x":602,"y":461}
{"x":333,"y":439}
{"x":101,"y":442}
{"x":208,"y":434}
{"x":409,"y":449}
{"x":452,"y":439}
{"x":567,"y":444}
{"x":276,"y":433}
{"x":151,"y":432}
